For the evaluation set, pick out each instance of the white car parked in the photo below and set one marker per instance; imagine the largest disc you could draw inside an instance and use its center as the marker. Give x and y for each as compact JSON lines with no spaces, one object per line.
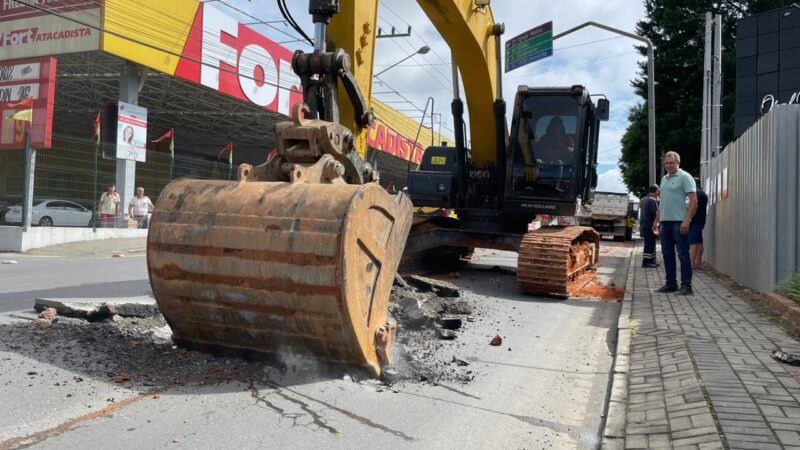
{"x":49,"y":213}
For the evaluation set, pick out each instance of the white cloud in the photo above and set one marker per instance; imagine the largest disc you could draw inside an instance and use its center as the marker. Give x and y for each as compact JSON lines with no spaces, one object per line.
{"x":611,"y":181}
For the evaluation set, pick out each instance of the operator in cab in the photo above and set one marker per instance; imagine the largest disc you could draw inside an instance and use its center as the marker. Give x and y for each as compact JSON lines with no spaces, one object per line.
{"x":556,"y":144}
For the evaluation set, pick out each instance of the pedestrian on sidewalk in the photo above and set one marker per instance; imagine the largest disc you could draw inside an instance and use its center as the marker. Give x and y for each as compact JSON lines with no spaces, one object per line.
{"x":140,"y":208}
{"x":647,"y":217}
{"x":109,"y":207}
{"x":697,"y":226}
{"x":674,"y":218}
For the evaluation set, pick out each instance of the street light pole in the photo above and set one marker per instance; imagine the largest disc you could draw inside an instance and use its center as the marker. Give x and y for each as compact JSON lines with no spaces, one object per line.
{"x":422,"y":50}
{"x":411,"y":157}
{"x":651,"y":92}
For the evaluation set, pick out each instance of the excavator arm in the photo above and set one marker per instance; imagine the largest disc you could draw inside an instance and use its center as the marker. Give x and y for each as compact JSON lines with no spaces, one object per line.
{"x":469,"y":32}
{"x":353,"y":30}
{"x":299,"y":254}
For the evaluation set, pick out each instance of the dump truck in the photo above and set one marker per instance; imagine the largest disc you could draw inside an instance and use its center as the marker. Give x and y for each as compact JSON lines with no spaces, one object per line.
{"x":611,"y":212}
{"x":299,"y":253}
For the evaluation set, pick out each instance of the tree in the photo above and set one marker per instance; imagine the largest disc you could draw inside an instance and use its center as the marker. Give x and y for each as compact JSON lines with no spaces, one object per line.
{"x":677,"y":30}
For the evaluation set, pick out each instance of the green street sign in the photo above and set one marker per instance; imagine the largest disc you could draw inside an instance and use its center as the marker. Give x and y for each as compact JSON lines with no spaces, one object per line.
{"x":530,"y":46}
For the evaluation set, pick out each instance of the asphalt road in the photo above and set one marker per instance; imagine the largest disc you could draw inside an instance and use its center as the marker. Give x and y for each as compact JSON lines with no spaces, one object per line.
{"x":545,"y":387}
{"x":70,"y":275}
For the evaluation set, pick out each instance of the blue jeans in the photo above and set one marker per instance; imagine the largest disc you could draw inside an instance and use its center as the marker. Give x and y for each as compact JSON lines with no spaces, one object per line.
{"x":671,"y":238}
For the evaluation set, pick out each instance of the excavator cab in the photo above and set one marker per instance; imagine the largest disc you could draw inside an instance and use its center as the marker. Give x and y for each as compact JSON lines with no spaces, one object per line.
{"x":552,"y":150}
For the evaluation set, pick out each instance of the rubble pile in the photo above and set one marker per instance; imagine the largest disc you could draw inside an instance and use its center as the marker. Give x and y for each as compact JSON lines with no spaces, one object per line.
{"x":135,"y":353}
{"x":131,"y":345}
{"x":431,"y":315}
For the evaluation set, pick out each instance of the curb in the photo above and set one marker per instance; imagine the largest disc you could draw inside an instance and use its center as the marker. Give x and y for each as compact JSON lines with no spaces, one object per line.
{"x":614,"y":431}
{"x":789,"y":310}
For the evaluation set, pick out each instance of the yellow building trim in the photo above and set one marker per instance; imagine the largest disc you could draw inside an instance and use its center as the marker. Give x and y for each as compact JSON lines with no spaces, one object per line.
{"x":406,"y":126}
{"x":160,"y":24}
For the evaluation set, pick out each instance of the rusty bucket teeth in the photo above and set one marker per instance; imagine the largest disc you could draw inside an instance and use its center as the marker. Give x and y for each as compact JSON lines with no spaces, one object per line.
{"x":279,"y":267}
{"x":552,"y":257}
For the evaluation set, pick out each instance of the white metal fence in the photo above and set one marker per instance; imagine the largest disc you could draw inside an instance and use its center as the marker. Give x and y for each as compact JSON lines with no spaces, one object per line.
{"x":752,"y":232}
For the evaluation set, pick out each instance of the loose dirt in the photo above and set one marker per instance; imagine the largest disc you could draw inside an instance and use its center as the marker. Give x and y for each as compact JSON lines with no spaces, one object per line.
{"x":588,"y":286}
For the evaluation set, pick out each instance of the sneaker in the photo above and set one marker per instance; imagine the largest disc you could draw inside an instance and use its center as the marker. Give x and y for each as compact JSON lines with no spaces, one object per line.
{"x":649,"y":265}
{"x":667,"y":288}
{"x":685,"y":290}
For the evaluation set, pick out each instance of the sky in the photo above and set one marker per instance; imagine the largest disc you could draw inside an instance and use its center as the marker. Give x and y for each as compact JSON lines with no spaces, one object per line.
{"x":603,"y":62}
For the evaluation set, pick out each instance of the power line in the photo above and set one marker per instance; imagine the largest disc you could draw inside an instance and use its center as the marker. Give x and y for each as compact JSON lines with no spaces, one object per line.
{"x":288,"y":16}
{"x":263,"y":22}
{"x":183,"y":57}
{"x":140,"y":42}
{"x":589,"y":43}
{"x":582,"y":63}
{"x":395,"y":92}
{"x":426,"y":69}
{"x":413,"y":31}
{"x":151,"y":28}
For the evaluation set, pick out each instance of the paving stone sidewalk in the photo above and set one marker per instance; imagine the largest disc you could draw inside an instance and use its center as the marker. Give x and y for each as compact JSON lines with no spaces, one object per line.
{"x":696,"y":371}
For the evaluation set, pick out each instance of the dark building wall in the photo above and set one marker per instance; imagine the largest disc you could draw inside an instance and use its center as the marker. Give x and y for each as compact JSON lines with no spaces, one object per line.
{"x":767,"y":63}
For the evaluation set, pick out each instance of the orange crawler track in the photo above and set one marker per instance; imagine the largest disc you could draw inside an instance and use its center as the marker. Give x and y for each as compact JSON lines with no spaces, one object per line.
{"x":553,"y":257}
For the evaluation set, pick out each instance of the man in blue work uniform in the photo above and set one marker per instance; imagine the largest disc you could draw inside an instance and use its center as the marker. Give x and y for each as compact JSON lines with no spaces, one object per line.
{"x":696,"y":228}
{"x":647,"y":216}
{"x":674,"y":217}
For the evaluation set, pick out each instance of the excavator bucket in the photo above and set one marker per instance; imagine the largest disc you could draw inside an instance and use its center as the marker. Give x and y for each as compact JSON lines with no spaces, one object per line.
{"x":279,"y":267}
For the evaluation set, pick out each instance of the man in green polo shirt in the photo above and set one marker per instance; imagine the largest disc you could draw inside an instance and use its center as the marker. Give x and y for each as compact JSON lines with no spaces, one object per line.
{"x":678,"y":205}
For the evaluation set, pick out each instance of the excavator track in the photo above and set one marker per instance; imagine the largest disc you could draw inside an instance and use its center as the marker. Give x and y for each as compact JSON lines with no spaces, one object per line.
{"x":553,"y":257}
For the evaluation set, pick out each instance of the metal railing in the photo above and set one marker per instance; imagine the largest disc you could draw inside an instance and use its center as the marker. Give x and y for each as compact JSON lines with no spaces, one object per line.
{"x":65,"y":173}
{"x":752,"y":232}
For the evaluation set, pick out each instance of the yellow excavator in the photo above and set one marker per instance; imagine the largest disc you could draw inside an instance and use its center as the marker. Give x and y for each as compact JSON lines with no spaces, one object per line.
{"x":300,"y":253}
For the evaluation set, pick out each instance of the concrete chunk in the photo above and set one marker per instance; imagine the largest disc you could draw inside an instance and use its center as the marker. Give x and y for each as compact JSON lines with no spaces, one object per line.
{"x":412,"y":310}
{"x":98,"y":309}
{"x":438,"y":287}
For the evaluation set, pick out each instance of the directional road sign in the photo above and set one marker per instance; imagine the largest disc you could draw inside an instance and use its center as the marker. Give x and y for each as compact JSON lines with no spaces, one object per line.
{"x":530,"y":46}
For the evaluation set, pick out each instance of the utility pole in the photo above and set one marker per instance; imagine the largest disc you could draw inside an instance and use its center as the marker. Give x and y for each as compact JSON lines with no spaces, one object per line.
{"x":710,"y":142}
{"x":651,"y":92}
{"x":30,"y":170}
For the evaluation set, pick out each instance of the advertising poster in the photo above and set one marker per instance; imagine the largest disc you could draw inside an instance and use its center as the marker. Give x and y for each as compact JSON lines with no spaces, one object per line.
{"x":131,"y":132}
